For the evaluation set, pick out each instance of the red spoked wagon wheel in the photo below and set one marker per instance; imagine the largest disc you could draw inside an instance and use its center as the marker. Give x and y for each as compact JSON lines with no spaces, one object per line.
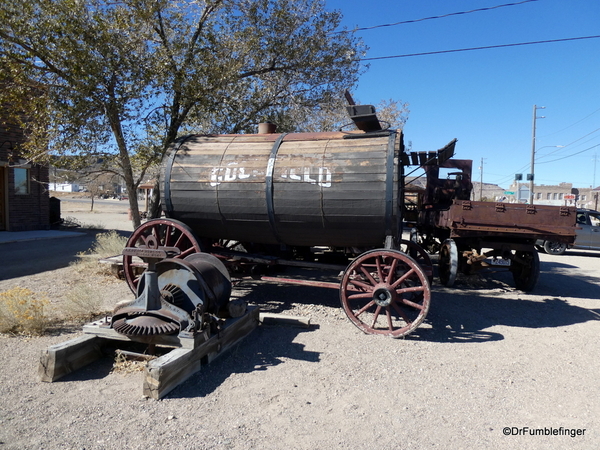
{"x":165,"y":233}
{"x":385,"y":292}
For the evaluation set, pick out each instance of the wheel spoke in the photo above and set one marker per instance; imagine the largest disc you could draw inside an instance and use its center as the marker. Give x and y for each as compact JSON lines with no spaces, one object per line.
{"x":402,"y":278}
{"x":410,"y":289}
{"x":379,"y":271}
{"x":392,"y":271}
{"x":376,"y":315}
{"x":411,"y":303}
{"x":401,"y":313}
{"x":368,"y":275}
{"x":389,"y":319}
{"x":168,"y":236}
{"x":361,"y":295}
{"x":361,"y":284}
{"x":364,"y":308}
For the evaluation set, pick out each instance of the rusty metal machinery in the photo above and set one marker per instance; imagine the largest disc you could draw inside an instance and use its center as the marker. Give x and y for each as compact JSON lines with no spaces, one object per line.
{"x":175,"y":294}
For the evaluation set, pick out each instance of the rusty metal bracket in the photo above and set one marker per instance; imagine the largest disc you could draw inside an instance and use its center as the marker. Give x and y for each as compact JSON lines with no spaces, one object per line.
{"x":500,"y":207}
{"x":531,"y":209}
{"x":467,"y":205}
{"x":564,"y":211}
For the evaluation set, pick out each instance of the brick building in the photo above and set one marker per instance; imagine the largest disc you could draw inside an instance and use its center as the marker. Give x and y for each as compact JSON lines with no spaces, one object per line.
{"x":561,"y":194}
{"x":24,"y":199}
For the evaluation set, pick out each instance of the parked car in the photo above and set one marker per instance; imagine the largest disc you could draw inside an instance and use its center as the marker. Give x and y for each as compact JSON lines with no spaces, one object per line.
{"x":587,"y":235}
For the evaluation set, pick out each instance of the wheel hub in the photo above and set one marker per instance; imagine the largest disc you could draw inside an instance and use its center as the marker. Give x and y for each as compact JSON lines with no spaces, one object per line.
{"x":383,"y":296}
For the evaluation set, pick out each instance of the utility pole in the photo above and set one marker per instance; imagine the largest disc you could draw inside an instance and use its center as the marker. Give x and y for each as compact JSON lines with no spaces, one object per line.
{"x":481,"y":181}
{"x":531,"y":175}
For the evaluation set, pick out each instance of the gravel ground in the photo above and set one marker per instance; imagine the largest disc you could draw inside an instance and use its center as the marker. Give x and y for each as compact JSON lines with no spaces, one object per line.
{"x":488,"y":357}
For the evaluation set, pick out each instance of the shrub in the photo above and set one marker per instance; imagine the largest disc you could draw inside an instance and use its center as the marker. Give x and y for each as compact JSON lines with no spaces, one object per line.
{"x":22,"y":312}
{"x":108,"y":244}
{"x":82,"y":302}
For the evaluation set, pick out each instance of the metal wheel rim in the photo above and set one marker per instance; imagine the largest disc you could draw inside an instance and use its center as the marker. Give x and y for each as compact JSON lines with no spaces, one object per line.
{"x":168,"y":232}
{"x":526,"y":275}
{"x":448,"y":263}
{"x":402,"y":290}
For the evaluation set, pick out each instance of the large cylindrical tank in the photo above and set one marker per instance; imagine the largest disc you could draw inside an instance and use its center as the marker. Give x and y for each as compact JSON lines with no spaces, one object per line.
{"x":302,"y":189}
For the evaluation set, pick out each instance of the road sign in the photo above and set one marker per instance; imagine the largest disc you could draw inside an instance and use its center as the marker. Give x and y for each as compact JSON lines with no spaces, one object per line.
{"x":509,"y":193}
{"x":569,"y":197}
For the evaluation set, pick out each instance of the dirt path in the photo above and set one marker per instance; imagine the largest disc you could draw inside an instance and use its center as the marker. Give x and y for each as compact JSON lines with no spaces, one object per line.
{"x":488,"y":358}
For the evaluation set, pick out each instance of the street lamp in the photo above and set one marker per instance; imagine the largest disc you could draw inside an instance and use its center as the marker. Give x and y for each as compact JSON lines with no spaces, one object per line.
{"x":531,"y":176}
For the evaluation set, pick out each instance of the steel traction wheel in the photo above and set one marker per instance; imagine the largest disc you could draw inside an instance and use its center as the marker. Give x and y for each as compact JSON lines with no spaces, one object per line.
{"x":525,"y":268}
{"x":448,"y":263}
{"x":385,"y":292}
{"x":167,"y":233}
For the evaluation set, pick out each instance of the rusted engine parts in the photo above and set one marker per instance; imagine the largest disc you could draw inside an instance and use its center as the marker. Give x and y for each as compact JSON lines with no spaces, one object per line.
{"x":175,"y":296}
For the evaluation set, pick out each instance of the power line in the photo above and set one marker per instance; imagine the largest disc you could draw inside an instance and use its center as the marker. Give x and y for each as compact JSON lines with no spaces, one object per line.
{"x":435,"y":17}
{"x":573,"y":124}
{"x":572,"y":154}
{"x":478,"y":48}
{"x":562,"y":147}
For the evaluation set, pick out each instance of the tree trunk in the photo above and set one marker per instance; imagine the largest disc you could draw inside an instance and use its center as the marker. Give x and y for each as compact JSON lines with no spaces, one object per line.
{"x":155,"y":206}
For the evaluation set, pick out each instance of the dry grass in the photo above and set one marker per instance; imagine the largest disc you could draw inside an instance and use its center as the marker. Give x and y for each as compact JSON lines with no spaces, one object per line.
{"x":125,"y":365}
{"x":83,"y":301}
{"x":106,"y":245}
{"x":23,"y":312}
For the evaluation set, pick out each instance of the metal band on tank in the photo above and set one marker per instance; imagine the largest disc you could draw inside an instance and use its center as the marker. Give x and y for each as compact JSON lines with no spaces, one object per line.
{"x":389,"y":185}
{"x":269,"y":185}
{"x":168,"y":206}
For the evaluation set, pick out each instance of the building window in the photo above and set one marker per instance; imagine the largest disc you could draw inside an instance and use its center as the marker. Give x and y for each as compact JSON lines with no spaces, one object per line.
{"x":548,"y":196}
{"x":539,"y":196}
{"x":583,"y":198}
{"x":21,"y":181}
{"x":560,"y":196}
{"x":554,"y":196}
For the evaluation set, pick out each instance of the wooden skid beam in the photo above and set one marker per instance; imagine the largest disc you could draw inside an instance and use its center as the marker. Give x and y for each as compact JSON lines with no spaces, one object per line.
{"x":61,"y":359}
{"x":164,"y":374}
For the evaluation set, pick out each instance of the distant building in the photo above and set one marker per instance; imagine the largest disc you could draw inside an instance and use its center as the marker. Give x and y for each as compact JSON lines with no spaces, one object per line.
{"x":64,"y":187}
{"x":562,"y":194}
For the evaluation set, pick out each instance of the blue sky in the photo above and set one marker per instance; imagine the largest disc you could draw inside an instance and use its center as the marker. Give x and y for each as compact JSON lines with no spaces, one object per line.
{"x":485,"y":98}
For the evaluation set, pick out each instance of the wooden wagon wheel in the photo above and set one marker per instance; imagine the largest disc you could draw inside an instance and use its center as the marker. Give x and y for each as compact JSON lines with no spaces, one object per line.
{"x":420,"y":255}
{"x":385,"y":292}
{"x":525,"y":267}
{"x":448,"y":262}
{"x":167,"y":233}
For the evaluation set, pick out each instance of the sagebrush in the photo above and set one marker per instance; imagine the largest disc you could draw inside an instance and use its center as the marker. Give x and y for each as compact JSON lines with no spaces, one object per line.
{"x":22,"y":311}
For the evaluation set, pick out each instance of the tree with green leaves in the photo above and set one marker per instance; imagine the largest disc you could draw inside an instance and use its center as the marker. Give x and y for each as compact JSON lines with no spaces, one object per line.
{"x":118,"y":81}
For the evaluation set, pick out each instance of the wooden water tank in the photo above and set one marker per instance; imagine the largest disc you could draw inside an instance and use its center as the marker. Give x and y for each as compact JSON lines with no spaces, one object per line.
{"x":302,"y":189}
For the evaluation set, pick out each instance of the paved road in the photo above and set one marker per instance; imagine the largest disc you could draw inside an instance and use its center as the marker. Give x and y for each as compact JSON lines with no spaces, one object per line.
{"x":23,"y":258}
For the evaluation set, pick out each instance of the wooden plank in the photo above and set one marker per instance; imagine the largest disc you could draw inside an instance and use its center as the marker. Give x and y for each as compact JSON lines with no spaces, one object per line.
{"x":61,"y":359}
{"x":282,"y":319}
{"x":164,"y":374}
{"x":173,"y":340}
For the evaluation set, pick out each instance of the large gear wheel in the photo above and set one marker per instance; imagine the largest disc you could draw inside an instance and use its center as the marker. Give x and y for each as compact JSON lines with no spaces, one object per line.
{"x":145,"y":325}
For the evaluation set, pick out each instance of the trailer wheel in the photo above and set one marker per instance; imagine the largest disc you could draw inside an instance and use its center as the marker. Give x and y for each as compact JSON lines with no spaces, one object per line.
{"x":448,"y":262}
{"x":385,"y":292}
{"x":525,"y":268}
{"x":166,"y":233}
